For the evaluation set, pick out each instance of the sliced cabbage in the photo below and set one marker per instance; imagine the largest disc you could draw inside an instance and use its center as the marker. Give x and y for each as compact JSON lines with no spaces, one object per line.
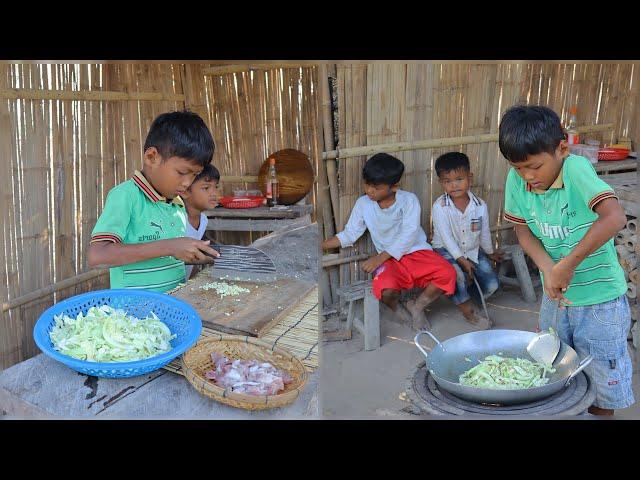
{"x":106,"y":334}
{"x":506,"y":374}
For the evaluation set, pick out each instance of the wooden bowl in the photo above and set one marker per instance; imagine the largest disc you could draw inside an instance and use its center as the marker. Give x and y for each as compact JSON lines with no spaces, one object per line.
{"x":295,"y":175}
{"x":197,"y":361}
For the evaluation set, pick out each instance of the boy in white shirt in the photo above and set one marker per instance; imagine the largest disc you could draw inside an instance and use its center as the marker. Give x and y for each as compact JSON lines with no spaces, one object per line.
{"x":461,"y":235}
{"x":200,"y":196}
{"x":405,"y":260}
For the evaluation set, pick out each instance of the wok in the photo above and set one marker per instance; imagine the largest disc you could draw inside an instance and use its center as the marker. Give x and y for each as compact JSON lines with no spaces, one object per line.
{"x":446,"y":363}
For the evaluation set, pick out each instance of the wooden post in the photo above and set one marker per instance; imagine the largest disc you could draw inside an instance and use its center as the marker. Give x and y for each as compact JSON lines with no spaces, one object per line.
{"x":325,"y":210}
{"x":194,"y":91}
{"x":327,"y":128}
{"x":371,"y":321}
{"x":8,"y":323}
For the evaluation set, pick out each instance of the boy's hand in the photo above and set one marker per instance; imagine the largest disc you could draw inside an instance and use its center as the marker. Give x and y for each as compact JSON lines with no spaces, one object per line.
{"x":190,"y":250}
{"x":372,"y":263}
{"x":467,"y":266}
{"x":556,"y":281}
{"x":496,"y":256}
{"x":333,"y":242}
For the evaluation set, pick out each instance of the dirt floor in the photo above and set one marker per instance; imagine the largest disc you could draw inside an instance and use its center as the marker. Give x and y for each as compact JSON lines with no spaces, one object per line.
{"x":360,"y":384}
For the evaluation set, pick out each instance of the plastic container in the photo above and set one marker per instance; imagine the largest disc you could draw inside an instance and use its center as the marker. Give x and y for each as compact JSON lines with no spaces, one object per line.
{"x":588,"y":151}
{"x":176,"y":314}
{"x":612,"y":154}
{"x":241,"y":202}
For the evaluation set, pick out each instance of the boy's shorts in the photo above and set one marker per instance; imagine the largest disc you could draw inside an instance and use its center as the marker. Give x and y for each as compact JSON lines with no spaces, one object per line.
{"x":600,"y":330}
{"x":484,"y":273}
{"x":415,"y":270}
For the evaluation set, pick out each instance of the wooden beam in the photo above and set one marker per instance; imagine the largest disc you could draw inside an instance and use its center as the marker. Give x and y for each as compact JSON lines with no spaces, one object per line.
{"x":433,"y":143}
{"x":86,"y":95}
{"x":333,"y":259}
{"x":225,"y":69}
{"x":43,"y":292}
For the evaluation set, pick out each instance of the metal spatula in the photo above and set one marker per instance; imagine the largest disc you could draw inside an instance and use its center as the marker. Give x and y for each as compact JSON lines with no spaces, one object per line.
{"x":242,"y":263}
{"x":544,"y":347}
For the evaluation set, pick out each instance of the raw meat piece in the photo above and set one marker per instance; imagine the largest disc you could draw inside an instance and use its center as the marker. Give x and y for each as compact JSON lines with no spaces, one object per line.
{"x":247,"y":376}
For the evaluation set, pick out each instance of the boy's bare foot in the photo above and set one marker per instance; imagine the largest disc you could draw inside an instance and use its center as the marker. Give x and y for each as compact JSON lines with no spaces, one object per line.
{"x":479,"y":322}
{"x":402,"y":315}
{"x":419,"y":319}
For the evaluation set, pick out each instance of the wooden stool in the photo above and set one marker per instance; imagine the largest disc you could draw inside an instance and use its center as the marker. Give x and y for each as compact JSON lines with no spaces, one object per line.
{"x":365,"y":315}
{"x":515,"y":254}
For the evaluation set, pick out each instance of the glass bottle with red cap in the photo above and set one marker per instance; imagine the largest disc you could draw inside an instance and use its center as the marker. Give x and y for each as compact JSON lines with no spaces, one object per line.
{"x":573,"y":137}
{"x":272,"y":184}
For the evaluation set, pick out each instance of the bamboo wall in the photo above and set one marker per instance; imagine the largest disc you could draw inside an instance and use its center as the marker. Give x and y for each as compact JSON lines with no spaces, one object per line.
{"x":60,"y":154}
{"x":391,"y":102}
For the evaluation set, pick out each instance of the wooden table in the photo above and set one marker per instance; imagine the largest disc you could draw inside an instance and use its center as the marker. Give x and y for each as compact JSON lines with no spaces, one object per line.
{"x":44,"y":388}
{"x":260,"y":219}
{"x":604,"y":168}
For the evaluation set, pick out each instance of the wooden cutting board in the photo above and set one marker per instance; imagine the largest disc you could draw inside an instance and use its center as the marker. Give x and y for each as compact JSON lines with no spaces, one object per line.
{"x":252,"y":313}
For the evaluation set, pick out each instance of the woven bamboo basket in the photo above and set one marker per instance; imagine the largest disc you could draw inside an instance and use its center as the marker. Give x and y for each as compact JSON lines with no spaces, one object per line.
{"x":197,"y":360}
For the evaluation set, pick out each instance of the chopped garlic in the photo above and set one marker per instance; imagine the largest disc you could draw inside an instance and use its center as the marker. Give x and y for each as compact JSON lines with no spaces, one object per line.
{"x":225,"y":289}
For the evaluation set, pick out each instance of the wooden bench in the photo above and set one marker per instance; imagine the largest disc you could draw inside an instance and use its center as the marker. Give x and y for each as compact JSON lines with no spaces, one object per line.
{"x":363,"y":315}
{"x":364,"y":309}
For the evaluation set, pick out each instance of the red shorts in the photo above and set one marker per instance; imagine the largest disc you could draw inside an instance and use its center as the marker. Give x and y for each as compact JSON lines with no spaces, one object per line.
{"x":415,"y":270}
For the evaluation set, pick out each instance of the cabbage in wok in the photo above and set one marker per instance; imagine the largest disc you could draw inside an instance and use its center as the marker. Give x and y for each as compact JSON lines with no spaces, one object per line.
{"x":506,"y":374}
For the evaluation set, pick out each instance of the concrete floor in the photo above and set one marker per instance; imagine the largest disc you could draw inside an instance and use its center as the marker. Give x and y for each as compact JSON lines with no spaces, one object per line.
{"x":359,"y":384}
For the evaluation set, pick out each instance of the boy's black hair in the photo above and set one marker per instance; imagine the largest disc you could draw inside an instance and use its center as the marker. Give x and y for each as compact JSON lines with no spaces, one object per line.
{"x":181,"y":134}
{"x":452,"y":161}
{"x":529,"y":130}
{"x":382,"y":169}
{"x":209,"y":174}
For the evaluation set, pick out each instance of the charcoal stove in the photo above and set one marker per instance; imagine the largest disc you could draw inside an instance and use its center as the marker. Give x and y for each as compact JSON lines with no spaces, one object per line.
{"x":426,"y":397}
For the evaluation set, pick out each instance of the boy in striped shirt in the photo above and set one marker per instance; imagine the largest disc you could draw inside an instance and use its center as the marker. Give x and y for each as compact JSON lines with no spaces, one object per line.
{"x":566,"y":218}
{"x":140,"y":234}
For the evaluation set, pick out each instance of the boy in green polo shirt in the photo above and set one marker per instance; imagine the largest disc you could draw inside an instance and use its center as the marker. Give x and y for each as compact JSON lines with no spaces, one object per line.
{"x":566,"y":218}
{"x":140,"y":234}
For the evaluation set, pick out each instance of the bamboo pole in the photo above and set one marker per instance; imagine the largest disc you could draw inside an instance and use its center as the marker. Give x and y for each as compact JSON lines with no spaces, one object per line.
{"x":194,"y":95}
{"x":8,"y":322}
{"x":225,"y":69}
{"x":327,"y":128}
{"x":330,"y":280}
{"x":333,"y":259}
{"x":43,"y":292}
{"x":432,"y":143}
{"x":85,"y":95}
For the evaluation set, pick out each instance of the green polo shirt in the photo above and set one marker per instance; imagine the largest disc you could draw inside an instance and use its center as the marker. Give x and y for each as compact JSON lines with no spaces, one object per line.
{"x":559,"y":217}
{"x":136,"y":213}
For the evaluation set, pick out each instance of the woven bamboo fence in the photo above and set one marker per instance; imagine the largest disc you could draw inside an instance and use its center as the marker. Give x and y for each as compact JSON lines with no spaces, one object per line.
{"x":70,"y":132}
{"x":404,"y":108}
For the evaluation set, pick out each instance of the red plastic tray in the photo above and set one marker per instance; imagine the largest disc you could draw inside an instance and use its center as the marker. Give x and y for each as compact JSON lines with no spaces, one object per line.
{"x":609,"y":154}
{"x":241,"y":202}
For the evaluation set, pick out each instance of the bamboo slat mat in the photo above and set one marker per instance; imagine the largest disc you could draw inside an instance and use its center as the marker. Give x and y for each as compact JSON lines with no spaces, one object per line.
{"x":297,"y":333}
